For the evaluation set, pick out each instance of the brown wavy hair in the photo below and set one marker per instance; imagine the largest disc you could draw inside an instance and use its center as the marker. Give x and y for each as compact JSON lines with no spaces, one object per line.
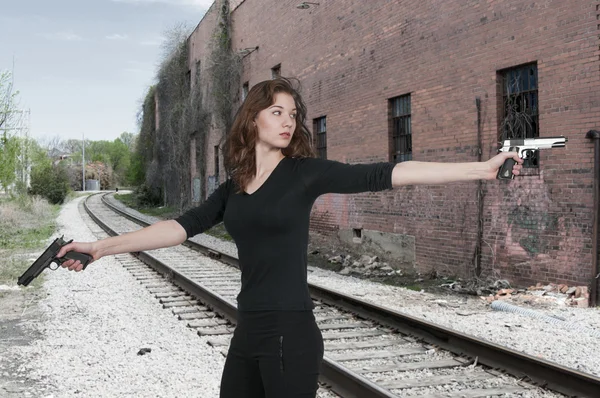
{"x":239,"y":147}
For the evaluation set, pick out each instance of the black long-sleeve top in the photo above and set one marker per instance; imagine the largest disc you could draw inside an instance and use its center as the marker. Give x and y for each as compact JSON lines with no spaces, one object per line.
{"x":270,"y":226}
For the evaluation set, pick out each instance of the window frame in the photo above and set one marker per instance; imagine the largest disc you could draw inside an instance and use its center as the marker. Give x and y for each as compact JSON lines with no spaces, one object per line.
{"x":216,"y":163}
{"x":276,"y":71}
{"x":245,"y":90}
{"x":518,"y":97}
{"x":400,"y":128}
{"x":320,"y":136}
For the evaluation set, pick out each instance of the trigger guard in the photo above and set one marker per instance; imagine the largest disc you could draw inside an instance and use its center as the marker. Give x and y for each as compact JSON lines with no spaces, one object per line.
{"x":53,"y":269}
{"x":528,"y":153}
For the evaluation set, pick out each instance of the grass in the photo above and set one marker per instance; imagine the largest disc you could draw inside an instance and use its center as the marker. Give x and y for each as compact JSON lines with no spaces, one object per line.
{"x":76,"y":194}
{"x":13,"y":266}
{"x":26,"y":223}
{"x":130,"y":200}
{"x":26,"y":238}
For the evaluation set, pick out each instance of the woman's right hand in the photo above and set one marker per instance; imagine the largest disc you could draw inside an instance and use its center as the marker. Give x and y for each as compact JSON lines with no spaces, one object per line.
{"x":81,"y":247}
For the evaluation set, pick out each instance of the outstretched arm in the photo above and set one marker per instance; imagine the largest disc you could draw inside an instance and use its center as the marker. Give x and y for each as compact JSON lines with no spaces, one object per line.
{"x":158,"y":235}
{"x":161,"y":234}
{"x":414,"y":172}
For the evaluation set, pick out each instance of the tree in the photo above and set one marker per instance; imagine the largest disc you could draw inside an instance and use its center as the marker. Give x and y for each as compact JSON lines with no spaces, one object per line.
{"x":170,"y":168}
{"x":128,"y":139}
{"x":29,"y":152}
{"x":50,"y":182}
{"x":9,"y":152}
{"x":8,"y":105}
{"x":55,"y":146}
{"x":9,"y":142}
{"x":71,"y":146}
{"x":145,"y":145}
{"x":120,"y":159}
{"x":97,"y":151}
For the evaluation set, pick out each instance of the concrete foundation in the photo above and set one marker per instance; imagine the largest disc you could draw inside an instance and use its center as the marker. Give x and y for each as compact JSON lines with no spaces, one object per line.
{"x":394,"y":246}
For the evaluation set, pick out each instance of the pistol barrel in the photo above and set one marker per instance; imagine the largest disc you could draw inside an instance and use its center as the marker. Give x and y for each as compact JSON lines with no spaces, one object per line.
{"x":546,"y":142}
{"x":41,"y":263}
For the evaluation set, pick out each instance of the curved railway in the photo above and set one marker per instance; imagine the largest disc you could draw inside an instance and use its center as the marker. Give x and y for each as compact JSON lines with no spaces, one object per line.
{"x":370,"y":351}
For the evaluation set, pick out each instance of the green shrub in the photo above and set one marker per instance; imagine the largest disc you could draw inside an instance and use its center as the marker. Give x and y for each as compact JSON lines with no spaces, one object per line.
{"x":50,"y":182}
{"x":136,"y":173}
{"x":147,"y":196}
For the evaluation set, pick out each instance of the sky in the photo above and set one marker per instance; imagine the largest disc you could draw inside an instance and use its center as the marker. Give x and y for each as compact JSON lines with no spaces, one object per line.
{"x":83,"y":67}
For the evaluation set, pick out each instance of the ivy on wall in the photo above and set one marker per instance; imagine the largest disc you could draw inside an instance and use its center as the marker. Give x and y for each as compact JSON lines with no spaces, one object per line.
{"x":183,"y":113}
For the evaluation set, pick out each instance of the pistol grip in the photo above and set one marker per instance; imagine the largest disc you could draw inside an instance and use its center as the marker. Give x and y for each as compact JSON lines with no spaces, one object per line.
{"x":505,"y":172}
{"x":83,"y":258}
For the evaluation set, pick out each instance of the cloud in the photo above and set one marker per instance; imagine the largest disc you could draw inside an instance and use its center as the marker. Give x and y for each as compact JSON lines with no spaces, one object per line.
{"x":204,"y":4}
{"x":117,"y":36}
{"x":20,"y":20}
{"x":139,"y":72}
{"x":63,"y":36}
{"x":152,"y":43}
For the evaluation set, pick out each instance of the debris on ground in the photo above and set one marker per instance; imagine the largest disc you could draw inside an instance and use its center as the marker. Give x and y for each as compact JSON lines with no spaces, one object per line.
{"x":561,"y":294}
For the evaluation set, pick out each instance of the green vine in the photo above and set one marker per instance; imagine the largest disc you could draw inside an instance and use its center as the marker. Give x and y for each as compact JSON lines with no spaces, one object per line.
{"x":183,"y":114}
{"x":197,"y":122}
{"x":163,"y":146}
{"x":225,"y":71}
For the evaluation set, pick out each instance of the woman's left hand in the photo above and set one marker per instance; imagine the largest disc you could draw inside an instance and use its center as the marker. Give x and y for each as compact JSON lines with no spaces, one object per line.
{"x":497,"y":161}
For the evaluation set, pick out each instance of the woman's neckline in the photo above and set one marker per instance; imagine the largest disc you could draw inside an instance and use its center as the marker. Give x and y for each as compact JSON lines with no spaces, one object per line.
{"x":267,"y":179}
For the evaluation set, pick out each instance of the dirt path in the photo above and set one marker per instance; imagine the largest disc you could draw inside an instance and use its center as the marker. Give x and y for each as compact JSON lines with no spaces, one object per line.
{"x":19,"y":323}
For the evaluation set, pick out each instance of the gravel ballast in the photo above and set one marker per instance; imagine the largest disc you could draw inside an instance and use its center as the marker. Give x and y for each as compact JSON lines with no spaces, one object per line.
{"x":94,"y":323}
{"x":569,"y":347}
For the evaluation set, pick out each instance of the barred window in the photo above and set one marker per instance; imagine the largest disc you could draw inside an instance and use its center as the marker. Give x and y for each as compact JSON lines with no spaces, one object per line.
{"x":320,"y":133}
{"x":245,"y":89}
{"x":217,"y":163}
{"x":400,"y":129}
{"x":196,"y":73}
{"x":276,"y":71}
{"x":520,"y":110}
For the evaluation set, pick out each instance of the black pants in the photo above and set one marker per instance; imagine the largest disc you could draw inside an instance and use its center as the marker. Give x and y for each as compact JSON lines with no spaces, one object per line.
{"x":273,"y":354}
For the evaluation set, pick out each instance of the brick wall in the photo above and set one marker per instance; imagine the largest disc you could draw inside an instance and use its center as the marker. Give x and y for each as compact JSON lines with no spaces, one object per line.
{"x":200,"y":42}
{"x":353,"y":56}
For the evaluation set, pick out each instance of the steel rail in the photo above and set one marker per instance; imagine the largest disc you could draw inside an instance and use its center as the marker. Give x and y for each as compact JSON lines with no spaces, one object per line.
{"x":538,"y":371}
{"x":341,"y":380}
{"x":224,"y":257}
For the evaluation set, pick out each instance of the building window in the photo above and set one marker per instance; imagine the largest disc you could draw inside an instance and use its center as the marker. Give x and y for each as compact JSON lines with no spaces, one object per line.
{"x":217,"y":163}
{"x":400,"y":129}
{"x":320,"y":132}
{"x":245,"y":89}
{"x":519,"y":107}
{"x":276,"y":71}
{"x":196,"y":73}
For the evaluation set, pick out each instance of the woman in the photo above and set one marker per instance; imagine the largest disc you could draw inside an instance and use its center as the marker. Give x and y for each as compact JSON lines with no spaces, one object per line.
{"x":277,"y":348}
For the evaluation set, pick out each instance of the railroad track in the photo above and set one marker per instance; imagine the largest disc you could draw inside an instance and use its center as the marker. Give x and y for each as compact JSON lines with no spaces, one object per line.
{"x":370,"y":351}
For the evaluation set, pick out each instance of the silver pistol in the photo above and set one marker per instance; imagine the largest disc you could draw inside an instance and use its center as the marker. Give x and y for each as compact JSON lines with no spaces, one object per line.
{"x":525,"y":148}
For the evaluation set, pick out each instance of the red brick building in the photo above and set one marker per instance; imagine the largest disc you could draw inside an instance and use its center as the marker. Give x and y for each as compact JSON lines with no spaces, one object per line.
{"x":426,"y":80}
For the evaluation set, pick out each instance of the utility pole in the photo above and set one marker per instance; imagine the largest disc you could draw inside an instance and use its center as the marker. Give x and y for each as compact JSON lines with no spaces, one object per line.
{"x":25,"y":150}
{"x":83,"y":163}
